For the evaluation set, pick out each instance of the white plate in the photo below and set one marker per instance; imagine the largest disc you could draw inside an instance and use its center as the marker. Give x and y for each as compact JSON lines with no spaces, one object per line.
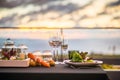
{"x":14,"y":63}
{"x":83,"y":64}
{"x":111,"y":69}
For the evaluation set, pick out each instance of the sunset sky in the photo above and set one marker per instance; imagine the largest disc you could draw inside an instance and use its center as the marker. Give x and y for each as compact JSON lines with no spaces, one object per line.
{"x":68,"y":33}
{"x":67,"y":14}
{"x":60,"y":13}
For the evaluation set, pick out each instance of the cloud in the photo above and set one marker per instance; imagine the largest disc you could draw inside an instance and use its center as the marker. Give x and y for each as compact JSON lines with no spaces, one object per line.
{"x":65,"y":13}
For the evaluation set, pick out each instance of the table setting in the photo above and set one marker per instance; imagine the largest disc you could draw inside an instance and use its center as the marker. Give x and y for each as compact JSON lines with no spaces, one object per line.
{"x":13,"y":56}
{"x":45,"y":65}
{"x":50,"y":69}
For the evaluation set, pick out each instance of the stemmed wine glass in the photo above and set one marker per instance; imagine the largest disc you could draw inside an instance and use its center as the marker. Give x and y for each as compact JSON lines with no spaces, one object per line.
{"x":55,"y":42}
{"x":64,"y":47}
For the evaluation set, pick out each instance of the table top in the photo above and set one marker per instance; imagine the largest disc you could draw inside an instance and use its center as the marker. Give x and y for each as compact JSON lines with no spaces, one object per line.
{"x":59,"y":68}
{"x":61,"y":71}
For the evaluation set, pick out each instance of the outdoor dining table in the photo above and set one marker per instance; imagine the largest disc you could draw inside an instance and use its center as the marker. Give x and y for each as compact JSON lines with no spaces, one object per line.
{"x":58,"y":72}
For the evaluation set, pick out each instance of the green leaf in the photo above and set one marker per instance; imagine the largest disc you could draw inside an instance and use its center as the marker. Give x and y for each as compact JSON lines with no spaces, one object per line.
{"x":76,"y":57}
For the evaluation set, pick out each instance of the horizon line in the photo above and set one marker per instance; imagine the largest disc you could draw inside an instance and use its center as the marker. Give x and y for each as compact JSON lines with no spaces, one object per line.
{"x":60,"y":28}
